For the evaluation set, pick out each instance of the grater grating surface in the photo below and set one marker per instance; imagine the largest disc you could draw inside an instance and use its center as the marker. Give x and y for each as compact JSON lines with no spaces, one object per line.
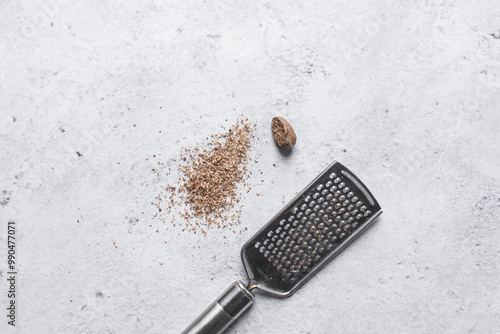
{"x":317,"y":224}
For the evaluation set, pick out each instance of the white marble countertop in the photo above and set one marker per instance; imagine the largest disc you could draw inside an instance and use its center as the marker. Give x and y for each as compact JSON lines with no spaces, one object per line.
{"x":406,"y":96}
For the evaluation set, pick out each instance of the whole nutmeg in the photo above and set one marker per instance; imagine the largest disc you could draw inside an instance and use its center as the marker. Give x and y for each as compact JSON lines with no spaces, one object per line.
{"x":283,"y":132}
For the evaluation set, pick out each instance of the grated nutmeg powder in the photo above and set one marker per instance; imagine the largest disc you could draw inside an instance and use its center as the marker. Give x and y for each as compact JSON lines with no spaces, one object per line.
{"x":206,"y":193}
{"x":211,"y":175}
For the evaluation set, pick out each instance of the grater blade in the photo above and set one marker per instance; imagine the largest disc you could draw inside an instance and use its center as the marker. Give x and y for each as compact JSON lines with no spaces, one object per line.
{"x":308,"y":232}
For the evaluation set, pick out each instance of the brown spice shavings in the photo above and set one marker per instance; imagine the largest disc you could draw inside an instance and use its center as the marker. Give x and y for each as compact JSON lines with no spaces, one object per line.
{"x":206,"y":190}
{"x":211,"y":177}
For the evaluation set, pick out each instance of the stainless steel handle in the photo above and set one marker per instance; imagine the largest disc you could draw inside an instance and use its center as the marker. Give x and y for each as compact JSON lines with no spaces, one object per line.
{"x":223,"y":312}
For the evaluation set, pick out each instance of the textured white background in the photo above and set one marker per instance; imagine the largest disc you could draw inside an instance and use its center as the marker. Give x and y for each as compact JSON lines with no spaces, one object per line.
{"x":405,"y":94}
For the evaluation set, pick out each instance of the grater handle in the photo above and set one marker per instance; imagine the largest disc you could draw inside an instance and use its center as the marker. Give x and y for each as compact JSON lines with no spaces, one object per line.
{"x":223,"y":312}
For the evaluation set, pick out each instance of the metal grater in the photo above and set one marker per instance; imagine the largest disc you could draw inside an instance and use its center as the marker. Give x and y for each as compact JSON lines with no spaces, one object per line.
{"x":307,"y":233}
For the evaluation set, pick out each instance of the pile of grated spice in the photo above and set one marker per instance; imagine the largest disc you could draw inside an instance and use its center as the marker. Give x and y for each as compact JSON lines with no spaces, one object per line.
{"x":206,"y":191}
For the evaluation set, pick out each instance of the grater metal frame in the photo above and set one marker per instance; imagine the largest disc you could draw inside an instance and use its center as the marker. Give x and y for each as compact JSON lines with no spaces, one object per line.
{"x":377,"y":211}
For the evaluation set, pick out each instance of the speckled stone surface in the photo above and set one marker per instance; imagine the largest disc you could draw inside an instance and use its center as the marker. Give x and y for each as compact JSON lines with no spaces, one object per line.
{"x":404,"y":94}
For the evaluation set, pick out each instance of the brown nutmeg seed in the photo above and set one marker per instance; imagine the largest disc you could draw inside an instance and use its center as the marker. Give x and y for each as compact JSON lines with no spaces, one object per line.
{"x":283,"y":132}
